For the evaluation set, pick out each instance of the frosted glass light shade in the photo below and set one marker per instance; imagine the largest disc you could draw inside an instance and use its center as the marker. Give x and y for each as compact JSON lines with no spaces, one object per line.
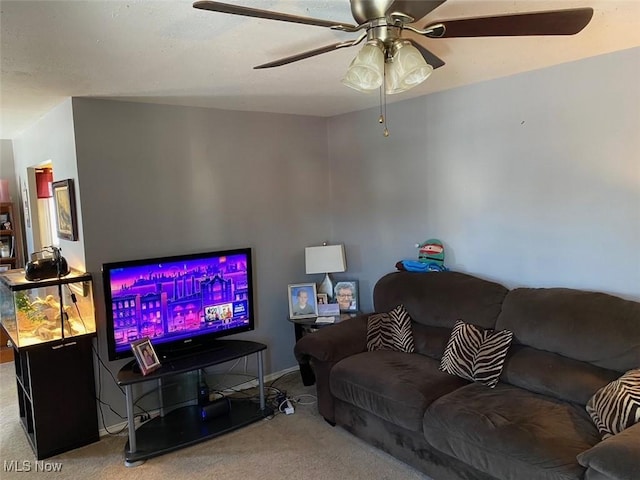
{"x":366,"y":71}
{"x":407,"y":70}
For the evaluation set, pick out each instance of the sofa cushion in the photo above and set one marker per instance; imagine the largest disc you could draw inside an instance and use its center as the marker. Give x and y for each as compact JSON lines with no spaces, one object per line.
{"x":616,"y":406}
{"x":430,"y":341}
{"x":575,"y":324}
{"x":616,"y":457}
{"x":475,"y":353}
{"x":554,"y":375}
{"x":440,"y":298}
{"x":511,"y":433}
{"x":390,"y":331}
{"x":395,"y":386}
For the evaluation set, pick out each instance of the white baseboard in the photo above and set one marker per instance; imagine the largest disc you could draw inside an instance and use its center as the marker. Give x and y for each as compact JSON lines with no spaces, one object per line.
{"x":122,"y":426}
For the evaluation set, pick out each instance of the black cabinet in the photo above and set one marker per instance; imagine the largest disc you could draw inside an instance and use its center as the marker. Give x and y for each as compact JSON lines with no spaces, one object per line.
{"x":56,"y":395}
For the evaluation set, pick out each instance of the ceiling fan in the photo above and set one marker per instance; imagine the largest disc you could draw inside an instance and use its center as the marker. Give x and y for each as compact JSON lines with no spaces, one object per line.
{"x":386,"y":20}
{"x":397,"y":61}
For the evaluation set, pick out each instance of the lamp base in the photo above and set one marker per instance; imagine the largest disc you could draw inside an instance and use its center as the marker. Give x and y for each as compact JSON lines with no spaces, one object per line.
{"x":326,"y":287}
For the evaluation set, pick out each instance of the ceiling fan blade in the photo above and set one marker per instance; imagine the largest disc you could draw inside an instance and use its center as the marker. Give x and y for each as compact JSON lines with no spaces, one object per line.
{"x":307,"y":54}
{"x":429,"y":57}
{"x":555,"y":22}
{"x":257,"y":13}
{"x":414,"y":9}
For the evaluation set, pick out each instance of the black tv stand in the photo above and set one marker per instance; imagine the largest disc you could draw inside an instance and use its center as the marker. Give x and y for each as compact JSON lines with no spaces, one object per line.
{"x":183,"y":426}
{"x":133,"y":365}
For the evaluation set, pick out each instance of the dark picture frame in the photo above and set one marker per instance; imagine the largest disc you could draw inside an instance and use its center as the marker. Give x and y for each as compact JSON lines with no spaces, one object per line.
{"x":145,"y":355}
{"x":346,"y":295}
{"x":65,"y":201}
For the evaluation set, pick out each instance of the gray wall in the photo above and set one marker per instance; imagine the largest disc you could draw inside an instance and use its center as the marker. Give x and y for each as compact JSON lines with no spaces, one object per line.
{"x":530,"y":180}
{"x":51,"y":139}
{"x":161,"y":180}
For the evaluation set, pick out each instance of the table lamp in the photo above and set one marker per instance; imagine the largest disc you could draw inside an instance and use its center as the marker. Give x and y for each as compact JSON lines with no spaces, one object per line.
{"x":325,"y":259}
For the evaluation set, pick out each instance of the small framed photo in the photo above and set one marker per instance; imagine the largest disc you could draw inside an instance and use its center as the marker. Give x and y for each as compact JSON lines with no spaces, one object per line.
{"x":303,"y":302}
{"x":145,"y":355}
{"x":322,"y":298}
{"x":65,"y":202}
{"x":346,"y":295}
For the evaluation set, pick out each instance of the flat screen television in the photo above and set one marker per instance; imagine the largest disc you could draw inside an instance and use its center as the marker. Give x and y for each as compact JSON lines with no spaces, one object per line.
{"x":181,"y":303}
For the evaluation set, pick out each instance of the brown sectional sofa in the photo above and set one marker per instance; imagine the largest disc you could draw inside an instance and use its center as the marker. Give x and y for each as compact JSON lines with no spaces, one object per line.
{"x":533,"y":425}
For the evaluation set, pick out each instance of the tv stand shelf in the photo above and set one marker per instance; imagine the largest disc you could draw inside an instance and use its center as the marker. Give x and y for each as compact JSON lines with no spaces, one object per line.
{"x":183,"y":426}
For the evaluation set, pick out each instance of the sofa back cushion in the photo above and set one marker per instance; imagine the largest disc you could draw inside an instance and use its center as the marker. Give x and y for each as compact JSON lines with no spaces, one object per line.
{"x":597,"y":328}
{"x":438,"y":299}
{"x":430,"y":341}
{"x":554,"y":375}
{"x":568,"y":343}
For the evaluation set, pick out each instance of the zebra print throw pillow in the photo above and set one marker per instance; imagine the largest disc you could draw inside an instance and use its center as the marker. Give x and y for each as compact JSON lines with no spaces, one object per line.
{"x":390,"y":331}
{"x":476,"y":354}
{"x":616,"y":406}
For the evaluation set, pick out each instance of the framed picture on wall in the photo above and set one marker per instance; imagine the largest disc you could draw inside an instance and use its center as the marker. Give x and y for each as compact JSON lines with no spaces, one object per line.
{"x":65,"y":203}
{"x":303,"y":302}
{"x":346,"y":295}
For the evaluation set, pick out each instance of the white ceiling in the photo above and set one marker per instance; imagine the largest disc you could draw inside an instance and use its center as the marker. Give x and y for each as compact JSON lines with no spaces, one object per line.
{"x":168,"y":52}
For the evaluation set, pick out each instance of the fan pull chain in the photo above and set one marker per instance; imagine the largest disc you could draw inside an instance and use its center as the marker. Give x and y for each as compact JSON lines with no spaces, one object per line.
{"x":382,"y":119}
{"x":385,"y":132}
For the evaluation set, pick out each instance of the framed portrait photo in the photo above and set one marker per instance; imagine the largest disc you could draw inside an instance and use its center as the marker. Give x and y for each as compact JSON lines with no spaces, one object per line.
{"x":145,"y":355}
{"x":303,"y":302}
{"x":346,"y":295}
{"x":65,"y":202}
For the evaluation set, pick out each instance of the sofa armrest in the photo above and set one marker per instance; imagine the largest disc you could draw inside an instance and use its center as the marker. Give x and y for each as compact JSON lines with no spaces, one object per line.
{"x":617,"y":457}
{"x":323,"y":349}
{"x":335,"y":342}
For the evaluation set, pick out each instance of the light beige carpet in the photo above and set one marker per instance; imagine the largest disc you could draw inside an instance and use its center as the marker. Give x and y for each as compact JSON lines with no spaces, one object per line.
{"x":301,"y":446}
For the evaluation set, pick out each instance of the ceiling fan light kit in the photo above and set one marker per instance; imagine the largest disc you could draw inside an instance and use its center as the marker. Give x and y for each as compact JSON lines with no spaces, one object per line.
{"x":390,"y":62}
{"x":406,"y":69}
{"x":399,"y":68}
{"x":366,"y":72}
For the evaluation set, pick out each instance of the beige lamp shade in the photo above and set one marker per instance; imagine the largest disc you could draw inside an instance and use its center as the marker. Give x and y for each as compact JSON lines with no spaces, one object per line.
{"x":325,"y":259}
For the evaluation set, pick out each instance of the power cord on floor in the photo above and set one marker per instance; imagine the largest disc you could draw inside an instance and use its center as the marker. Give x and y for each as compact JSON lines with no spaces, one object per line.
{"x":284,"y":404}
{"x":142,"y":417}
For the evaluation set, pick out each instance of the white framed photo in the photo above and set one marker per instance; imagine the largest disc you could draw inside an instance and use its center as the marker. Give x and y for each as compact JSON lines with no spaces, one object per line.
{"x":346,"y":295}
{"x":145,"y":355}
{"x":303,"y":300}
